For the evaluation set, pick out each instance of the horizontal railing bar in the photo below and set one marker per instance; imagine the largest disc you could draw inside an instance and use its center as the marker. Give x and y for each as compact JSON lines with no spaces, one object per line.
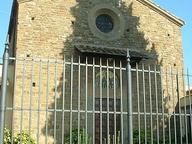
{"x":165,"y":114}
{"x":95,"y":65}
{"x":83,"y":111}
{"x":60,"y":110}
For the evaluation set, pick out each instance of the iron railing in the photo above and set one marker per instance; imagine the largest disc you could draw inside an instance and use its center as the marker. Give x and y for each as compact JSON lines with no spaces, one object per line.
{"x":96,"y":101}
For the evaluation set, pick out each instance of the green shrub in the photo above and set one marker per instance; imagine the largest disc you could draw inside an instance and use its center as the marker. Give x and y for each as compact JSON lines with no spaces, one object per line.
{"x":155,"y":141}
{"x":142,"y":137}
{"x":25,"y":137}
{"x":7,"y":136}
{"x":82,"y":137}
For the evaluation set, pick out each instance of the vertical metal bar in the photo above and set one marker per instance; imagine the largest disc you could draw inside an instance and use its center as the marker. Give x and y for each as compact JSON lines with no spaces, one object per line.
{"x":22,"y":96}
{"x":129,"y":99}
{"x":39,"y":101}
{"x":79,"y":100}
{"x":189,"y":104}
{"x":55,"y":100}
{"x":144,"y":103}
{"x":14,"y":91}
{"x":179,"y":106}
{"x":47,"y":100}
{"x":101,"y":97}
{"x":93,"y":140}
{"x":4,"y":89}
{"x":86,"y":95}
{"x":63,"y":109}
{"x":157,"y":107}
{"x":114,"y":93}
{"x":168,"y":106}
{"x":71,"y":100}
{"x":31,"y":95}
{"x":108,"y":134}
{"x":138,"y":102}
{"x":185,"y":110}
{"x":150,"y":100}
{"x":174,"y":115}
{"x":121,"y":98}
{"x":162,"y":103}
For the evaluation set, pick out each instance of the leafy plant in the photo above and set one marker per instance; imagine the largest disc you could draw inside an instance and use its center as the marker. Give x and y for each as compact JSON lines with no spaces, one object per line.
{"x":7,"y":136}
{"x":142,"y":136}
{"x":148,"y":136}
{"x":25,"y":137}
{"x":82,"y":137}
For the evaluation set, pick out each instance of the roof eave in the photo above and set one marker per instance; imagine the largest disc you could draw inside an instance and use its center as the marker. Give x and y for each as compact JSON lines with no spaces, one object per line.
{"x":163,"y":12}
{"x":23,"y":1}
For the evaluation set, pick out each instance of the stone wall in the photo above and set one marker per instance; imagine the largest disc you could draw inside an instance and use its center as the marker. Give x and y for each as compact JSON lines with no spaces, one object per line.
{"x":50,"y":28}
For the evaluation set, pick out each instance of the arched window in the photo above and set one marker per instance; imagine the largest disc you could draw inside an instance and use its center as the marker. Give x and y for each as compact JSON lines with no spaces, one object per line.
{"x":112,"y":82}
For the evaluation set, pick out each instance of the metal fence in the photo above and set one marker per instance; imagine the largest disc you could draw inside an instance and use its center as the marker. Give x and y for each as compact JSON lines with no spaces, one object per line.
{"x":97,"y":101}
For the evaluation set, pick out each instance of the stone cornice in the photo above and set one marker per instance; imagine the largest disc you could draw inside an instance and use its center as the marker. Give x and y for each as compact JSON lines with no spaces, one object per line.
{"x":23,"y":1}
{"x":163,"y":12}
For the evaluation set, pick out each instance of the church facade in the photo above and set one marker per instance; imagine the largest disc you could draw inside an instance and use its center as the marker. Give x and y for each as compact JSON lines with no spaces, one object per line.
{"x":52,"y":97}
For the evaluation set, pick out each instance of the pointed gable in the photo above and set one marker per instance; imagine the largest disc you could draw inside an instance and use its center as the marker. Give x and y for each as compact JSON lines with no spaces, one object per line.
{"x":162,"y":12}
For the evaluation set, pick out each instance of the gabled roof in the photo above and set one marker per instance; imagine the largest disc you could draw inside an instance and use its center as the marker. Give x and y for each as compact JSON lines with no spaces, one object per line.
{"x":163,"y":12}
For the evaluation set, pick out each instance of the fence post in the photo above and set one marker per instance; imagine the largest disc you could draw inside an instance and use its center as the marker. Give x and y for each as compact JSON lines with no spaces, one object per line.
{"x":4,"y":89}
{"x":129,"y":99}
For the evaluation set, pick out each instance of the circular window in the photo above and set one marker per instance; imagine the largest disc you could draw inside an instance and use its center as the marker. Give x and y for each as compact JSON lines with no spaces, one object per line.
{"x":104,"y":23}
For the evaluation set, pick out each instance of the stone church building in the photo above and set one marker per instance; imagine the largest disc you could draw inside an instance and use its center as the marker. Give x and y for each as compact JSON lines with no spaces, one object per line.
{"x":54,"y":93}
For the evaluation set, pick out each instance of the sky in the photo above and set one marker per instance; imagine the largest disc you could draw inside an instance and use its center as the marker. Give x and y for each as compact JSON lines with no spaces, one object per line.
{"x":179,"y":8}
{"x":5,"y":9}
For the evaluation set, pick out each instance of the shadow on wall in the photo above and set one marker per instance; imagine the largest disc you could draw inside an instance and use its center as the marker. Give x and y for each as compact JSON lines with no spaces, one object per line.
{"x":67,"y":91}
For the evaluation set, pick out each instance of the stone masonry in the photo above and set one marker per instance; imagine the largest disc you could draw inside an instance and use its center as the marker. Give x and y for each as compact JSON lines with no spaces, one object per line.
{"x":49,"y":29}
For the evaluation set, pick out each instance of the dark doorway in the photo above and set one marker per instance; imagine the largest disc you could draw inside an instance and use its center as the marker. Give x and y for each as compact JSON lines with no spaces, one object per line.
{"x":110,"y":121}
